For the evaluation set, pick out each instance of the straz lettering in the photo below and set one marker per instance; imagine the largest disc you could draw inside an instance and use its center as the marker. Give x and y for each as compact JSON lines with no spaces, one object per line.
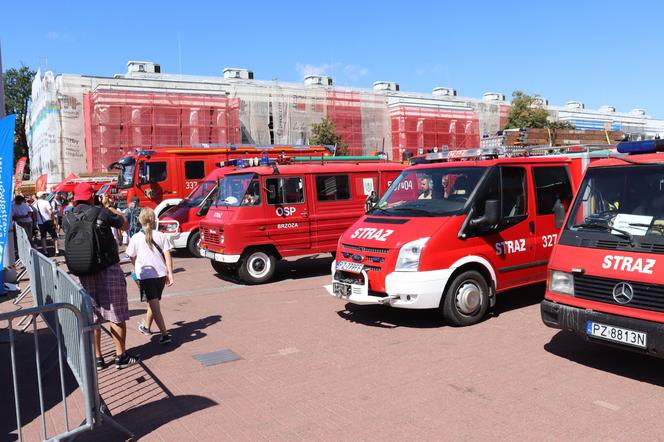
{"x":287,"y":226}
{"x":629,"y":264}
{"x":507,"y":247}
{"x":371,"y":233}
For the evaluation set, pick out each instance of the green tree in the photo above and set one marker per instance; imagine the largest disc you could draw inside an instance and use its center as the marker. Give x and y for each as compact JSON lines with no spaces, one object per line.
{"x":325,"y":132}
{"x":527,"y":111}
{"x":18,"y":89}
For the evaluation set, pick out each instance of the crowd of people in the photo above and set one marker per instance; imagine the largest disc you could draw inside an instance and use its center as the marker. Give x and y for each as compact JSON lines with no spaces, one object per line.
{"x":92,"y":229}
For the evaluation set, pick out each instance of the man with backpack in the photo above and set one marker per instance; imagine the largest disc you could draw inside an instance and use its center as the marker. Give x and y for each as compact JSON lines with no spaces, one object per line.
{"x":91,"y":253}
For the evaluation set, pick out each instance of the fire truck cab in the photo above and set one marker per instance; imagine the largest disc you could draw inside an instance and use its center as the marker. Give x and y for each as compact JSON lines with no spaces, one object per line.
{"x":452,"y":235}
{"x":605,"y":274}
{"x":262,"y":214}
{"x":162,"y":177}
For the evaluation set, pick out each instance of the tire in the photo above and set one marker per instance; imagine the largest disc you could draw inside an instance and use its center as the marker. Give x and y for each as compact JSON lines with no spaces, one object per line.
{"x":257,"y":266}
{"x":466,"y":300}
{"x":222,"y":268}
{"x":193,"y":244}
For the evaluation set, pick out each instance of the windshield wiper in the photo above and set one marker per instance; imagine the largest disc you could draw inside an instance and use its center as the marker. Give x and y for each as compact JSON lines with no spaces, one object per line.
{"x":414,"y":210}
{"x":378,"y":208}
{"x":606,"y":228}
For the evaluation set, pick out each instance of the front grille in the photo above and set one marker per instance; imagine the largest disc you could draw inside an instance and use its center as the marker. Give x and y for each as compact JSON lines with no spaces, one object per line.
{"x":646,"y":296}
{"x":209,"y":237}
{"x":366,"y":249}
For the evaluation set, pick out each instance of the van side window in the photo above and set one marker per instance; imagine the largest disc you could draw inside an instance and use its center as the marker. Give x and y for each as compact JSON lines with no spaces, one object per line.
{"x":551,"y":184}
{"x":194,"y":170}
{"x":513,"y":191}
{"x":285,"y":190}
{"x":333,"y":187}
{"x":156,"y":171}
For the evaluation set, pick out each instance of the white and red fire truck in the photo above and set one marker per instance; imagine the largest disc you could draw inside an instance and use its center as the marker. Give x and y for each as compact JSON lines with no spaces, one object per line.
{"x":266,"y":213}
{"x":451,"y":235}
{"x":604,"y":273}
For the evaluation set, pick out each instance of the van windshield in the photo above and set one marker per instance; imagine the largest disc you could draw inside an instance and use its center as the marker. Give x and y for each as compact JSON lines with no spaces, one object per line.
{"x":200,"y":193}
{"x":625,"y":202}
{"x":239,"y":190}
{"x":438,"y":191}
{"x":127,"y":167}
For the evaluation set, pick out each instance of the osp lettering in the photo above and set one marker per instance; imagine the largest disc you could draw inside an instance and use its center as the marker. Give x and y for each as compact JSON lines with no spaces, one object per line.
{"x":629,"y":264}
{"x":372,"y":233}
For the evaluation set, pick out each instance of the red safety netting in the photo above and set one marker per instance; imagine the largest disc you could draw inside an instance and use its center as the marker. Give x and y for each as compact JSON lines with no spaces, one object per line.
{"x":345,"y":111}
{"x":414,"y":128}
{"x":119,"y":122}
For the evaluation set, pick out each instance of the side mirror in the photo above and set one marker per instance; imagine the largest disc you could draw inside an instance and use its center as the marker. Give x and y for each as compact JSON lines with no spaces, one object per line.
{"x":370,"y":202}
{"x":559,"y":214}
{"x":491,"y":215}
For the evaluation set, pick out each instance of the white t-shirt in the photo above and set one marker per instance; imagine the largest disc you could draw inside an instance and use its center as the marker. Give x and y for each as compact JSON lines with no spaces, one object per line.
{"x":149,"y":263}
{"x":43,"y":208}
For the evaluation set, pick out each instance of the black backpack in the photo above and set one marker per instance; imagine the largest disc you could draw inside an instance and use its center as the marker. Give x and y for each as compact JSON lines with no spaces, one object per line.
{"x":82,"y":242}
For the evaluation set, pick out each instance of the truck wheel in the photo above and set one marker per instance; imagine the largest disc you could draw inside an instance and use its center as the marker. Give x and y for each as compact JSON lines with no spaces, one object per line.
{"x":257,"y":266}
{"x":222,"y":268}
{"x":466,"y":300}
{"x":194,"y":244}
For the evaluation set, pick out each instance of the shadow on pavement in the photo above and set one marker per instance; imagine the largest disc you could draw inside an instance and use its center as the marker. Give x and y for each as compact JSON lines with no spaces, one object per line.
{"x":182,"y":332}
{"x":304,"y":267}
{"x":389,"y":317}
{"x":144,"y":419}
{"x":518,"y":298}
{"x":618,"y":361}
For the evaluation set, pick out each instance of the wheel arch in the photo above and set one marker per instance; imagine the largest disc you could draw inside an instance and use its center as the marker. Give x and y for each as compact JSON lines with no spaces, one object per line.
{"x":269,"y":247}
{"x":478,"y":264}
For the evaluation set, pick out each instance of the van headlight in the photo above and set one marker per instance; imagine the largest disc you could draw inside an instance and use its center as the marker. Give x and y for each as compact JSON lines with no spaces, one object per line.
{"x":409,"y":255}
{"x":561,"y":282}
{"x":168,"y":227}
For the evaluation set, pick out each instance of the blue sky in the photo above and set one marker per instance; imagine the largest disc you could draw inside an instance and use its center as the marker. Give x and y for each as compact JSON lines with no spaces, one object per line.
{"x":598,"y":52}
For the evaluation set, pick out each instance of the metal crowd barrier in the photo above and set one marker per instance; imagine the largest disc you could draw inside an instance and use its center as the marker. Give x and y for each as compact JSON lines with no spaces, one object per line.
{"x":24,"y":247}
{"x":66,"y":309}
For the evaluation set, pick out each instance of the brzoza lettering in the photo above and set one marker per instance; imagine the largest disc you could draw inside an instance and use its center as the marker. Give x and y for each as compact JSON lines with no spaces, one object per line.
{"x":371,"y":233}
{"x":287,"y":226}
{"x":507,"y":247}
{"x":629,"y":264}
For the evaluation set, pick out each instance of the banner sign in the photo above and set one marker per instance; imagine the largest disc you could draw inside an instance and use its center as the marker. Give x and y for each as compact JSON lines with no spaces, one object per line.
{"x":20,"y":169}
{"x":6,"y":175}
{"x":40,"y":183}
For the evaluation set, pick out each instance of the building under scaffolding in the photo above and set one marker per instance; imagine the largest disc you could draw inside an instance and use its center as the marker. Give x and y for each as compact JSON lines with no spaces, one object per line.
{"x":81,"y":123}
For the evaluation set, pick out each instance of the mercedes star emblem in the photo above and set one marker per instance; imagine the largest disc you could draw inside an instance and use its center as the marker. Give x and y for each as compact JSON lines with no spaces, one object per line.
{"x":623,"y":293}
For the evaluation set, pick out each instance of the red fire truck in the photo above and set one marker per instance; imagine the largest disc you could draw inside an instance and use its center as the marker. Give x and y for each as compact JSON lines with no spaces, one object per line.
{"x":180,"y":223}
{"x":263,"y":214}
{"x":605,"y":273}
{"x":161,"y":177}
{"x":68,"y":185}
{"x":452,"y":235}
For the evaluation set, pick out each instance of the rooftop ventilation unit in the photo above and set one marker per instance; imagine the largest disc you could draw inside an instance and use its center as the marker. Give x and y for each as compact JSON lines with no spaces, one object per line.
{"x":389,"y":86}
{"x":638,"y":112}
{"x":606,"y":109}
{"x":317,"y":80}
{"x":575,"y":105}
{"x":493,"y":96}
{"x":444,"y":92}
{"x":143,"y":67}
{"x":238,"y":73}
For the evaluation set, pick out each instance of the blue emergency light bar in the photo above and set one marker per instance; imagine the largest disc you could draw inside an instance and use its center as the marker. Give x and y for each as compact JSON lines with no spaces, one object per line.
{"x":640,"y":147}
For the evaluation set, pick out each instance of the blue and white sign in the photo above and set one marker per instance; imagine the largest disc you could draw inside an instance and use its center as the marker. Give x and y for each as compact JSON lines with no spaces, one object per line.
{"x":6,"y":178}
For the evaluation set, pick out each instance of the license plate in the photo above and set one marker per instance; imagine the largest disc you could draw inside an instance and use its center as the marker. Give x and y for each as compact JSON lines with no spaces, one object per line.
{"x":341,"y":290}
{"x":617,"y":334}
{"x":352,"y":267}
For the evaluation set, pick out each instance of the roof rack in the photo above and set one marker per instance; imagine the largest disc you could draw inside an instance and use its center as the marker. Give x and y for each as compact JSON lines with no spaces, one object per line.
{"x":486,"y":153}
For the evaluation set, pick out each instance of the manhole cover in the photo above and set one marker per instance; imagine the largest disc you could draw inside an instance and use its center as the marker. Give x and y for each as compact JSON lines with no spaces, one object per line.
{"x":217,"y":357}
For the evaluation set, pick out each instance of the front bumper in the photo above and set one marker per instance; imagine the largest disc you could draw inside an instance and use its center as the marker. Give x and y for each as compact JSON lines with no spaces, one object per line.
{"x":179,"y":239}
{"x":414,"y":290}
{"x":220,"y":257}
{"x":575,"y":319}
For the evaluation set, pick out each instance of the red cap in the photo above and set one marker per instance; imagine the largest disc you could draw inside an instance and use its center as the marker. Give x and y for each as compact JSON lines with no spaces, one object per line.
{"x":83,"y":192}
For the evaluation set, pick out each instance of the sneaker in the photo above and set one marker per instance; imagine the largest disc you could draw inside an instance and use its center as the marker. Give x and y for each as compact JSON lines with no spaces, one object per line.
{"x":143,"y":329}
{"x":100,"y":364}
{"x":165,"y":339}
{"x":125,"y":361}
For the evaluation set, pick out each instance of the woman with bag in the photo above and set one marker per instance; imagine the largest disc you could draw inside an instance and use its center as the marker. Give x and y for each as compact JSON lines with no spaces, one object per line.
{"x":149,"y":251}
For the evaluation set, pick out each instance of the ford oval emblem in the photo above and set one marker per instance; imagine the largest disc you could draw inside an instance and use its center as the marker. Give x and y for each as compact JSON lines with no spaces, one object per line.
{"x":358,"y":258}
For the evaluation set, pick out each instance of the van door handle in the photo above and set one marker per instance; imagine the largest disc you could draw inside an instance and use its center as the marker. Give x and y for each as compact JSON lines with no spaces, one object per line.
{"x":305,"y":214}
{"x":261,"y":228}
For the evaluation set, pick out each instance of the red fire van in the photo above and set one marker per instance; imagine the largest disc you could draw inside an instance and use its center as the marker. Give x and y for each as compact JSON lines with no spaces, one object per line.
{"x":452,"y":235}
{"x":605,"y":274}
{"x":263,"y":214}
